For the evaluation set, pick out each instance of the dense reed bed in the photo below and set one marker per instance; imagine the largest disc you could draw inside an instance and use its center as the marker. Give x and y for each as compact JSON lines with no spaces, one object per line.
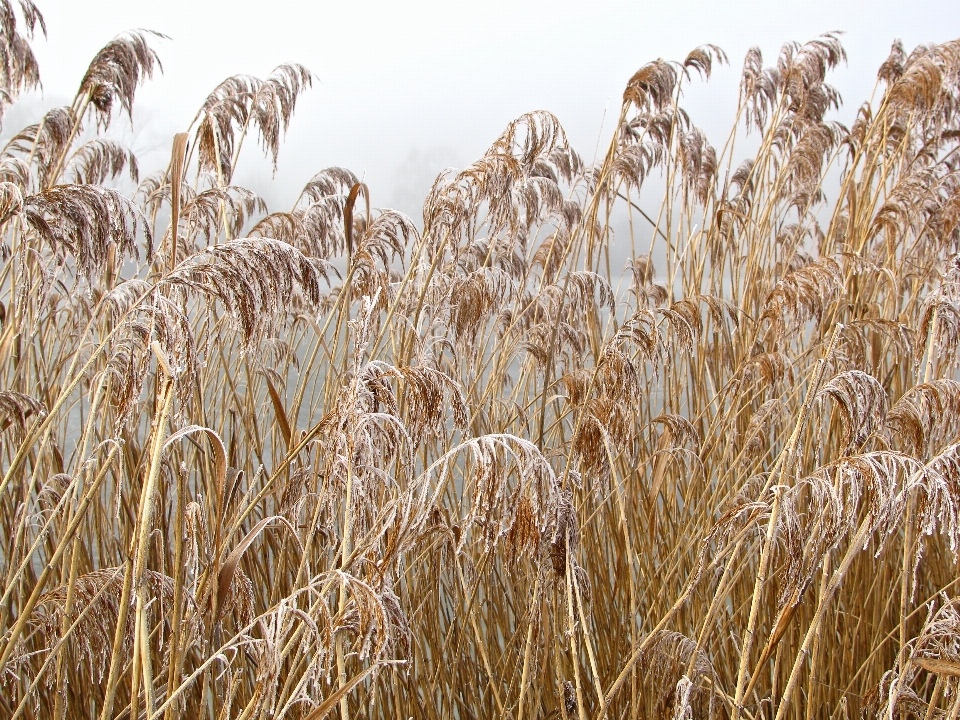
{"x":327,"y":462}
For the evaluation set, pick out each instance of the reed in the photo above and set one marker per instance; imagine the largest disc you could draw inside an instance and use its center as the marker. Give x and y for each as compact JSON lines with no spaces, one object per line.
{"x":327,"y":462}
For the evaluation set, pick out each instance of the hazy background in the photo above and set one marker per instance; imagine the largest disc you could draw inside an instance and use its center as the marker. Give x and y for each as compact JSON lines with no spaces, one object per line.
{"x":404,"y":90}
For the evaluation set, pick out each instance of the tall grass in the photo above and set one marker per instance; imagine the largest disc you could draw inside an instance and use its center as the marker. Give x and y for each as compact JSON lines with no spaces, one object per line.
{"x":325,"y":462}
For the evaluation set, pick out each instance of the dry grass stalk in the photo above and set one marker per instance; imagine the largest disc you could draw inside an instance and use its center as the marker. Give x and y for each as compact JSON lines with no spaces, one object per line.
{"x":480,"y":473}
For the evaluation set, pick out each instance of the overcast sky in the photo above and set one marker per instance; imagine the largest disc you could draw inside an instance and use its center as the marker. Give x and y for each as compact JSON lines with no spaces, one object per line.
{"x":403,"y":90}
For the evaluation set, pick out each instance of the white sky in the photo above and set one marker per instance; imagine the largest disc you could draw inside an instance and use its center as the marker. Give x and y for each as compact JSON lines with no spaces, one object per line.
{"x":405,"y":89}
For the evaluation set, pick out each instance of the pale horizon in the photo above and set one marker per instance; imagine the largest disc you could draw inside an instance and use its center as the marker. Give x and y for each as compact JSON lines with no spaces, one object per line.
{"x":402,"y":92}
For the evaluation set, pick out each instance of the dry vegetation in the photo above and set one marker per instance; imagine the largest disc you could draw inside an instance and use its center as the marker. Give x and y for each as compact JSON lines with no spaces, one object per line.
{"x":323,"y":462}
